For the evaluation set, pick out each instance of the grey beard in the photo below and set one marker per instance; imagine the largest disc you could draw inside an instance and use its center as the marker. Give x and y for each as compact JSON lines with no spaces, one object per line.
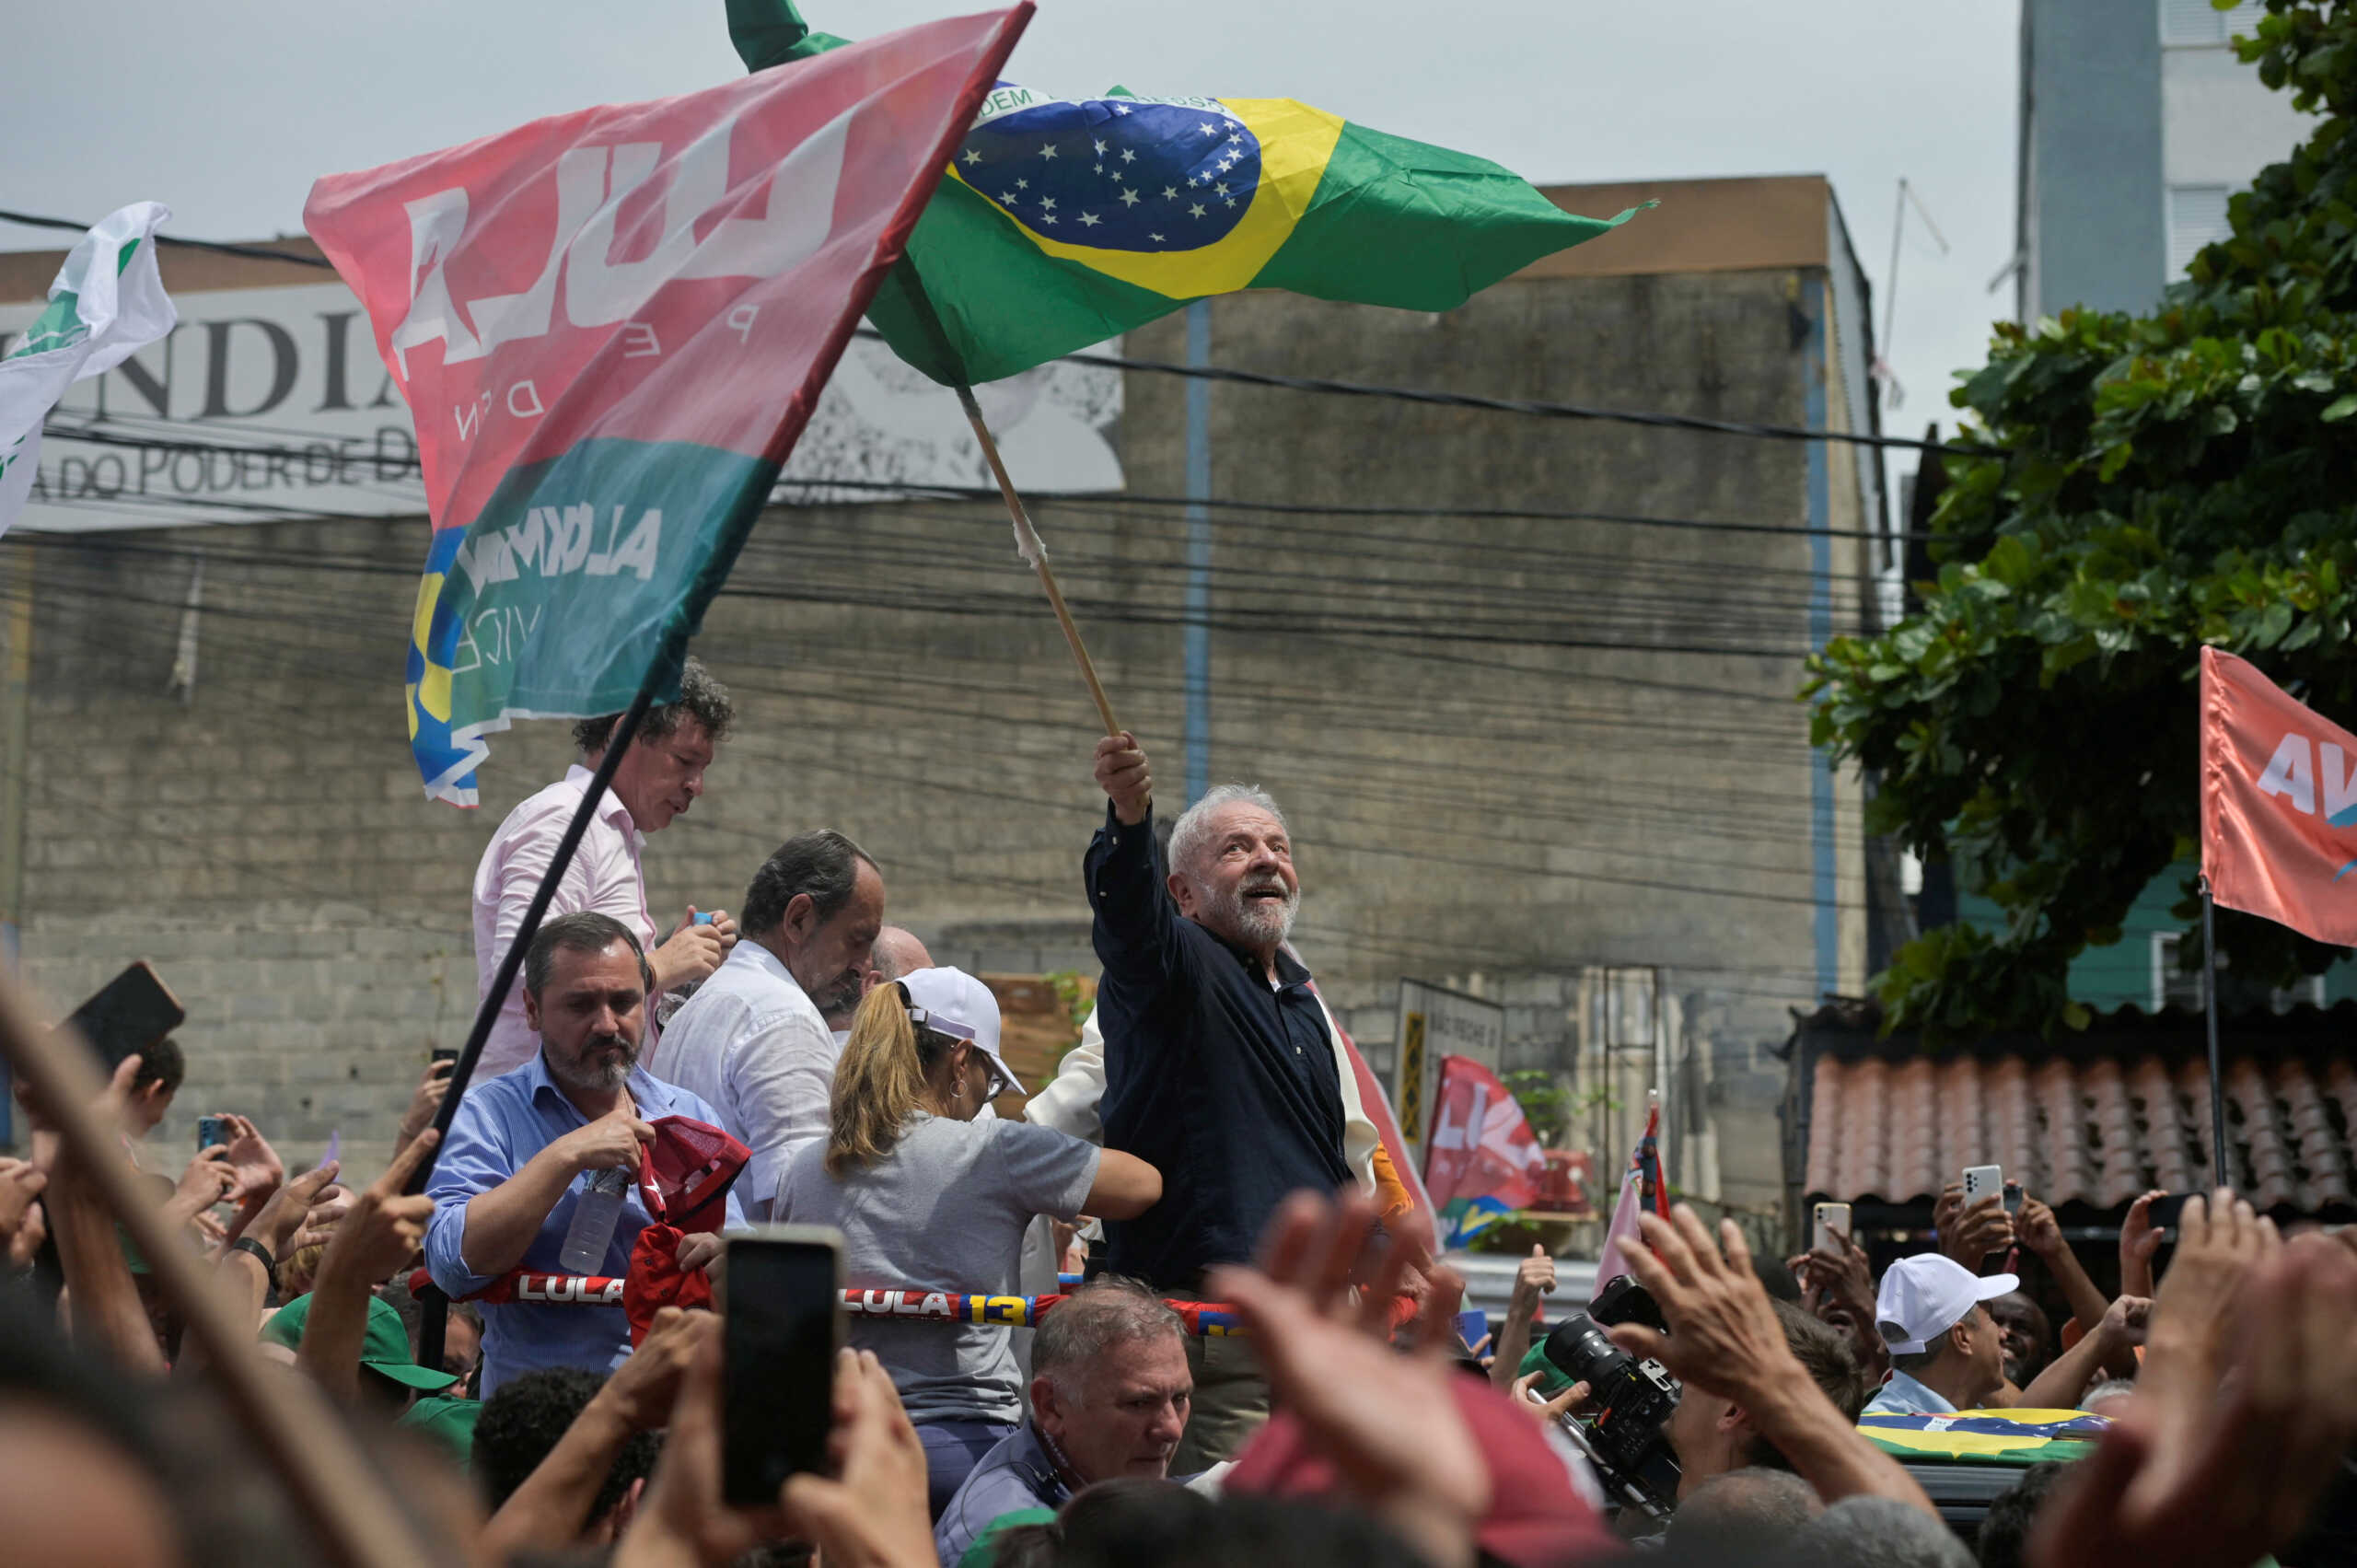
{"x":600,"y":1077}
{"x":1250,"y":921}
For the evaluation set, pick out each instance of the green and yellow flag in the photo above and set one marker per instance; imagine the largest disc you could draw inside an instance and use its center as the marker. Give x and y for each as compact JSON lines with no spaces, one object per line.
{"x":1060,"y":222}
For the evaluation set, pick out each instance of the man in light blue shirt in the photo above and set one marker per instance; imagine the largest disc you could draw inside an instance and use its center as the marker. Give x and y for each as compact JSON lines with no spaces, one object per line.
{"x":1946,"y":1353}
{"x":511,"y":1171}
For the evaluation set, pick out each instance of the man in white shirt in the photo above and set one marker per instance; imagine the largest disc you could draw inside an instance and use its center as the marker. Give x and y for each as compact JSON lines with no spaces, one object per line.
{"x":753,"y":1040}
{"x":659,"y":777}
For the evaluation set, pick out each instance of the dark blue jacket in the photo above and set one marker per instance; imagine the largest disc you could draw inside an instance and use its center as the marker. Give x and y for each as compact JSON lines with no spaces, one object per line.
{"x":1226,"y":1085}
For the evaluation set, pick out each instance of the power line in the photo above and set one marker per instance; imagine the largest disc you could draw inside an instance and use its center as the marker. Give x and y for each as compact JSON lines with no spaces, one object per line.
{"x":1324,"y":385}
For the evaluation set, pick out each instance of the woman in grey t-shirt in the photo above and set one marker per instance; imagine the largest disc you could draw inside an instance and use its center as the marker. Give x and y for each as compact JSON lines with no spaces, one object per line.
{"x":929,"y":1199}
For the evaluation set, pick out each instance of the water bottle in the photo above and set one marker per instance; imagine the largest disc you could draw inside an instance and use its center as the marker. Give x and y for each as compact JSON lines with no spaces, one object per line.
{"x":594,"y":1214}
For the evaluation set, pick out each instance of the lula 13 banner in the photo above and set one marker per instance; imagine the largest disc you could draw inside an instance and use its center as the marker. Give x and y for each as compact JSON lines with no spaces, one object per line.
{"x":609,"y":326}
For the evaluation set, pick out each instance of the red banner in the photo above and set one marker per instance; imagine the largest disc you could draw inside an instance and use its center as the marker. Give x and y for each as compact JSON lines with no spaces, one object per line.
{"x":2279,"y":804}
{"x":1482,"y":1147}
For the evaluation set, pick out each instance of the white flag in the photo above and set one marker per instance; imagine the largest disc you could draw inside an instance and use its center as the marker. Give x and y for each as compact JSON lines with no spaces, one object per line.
{"x":107,"y":304}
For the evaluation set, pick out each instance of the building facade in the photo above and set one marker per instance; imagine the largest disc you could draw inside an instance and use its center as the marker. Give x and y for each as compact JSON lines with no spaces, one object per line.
{"x":2137,"y":123}
{"x":1526,"y":685}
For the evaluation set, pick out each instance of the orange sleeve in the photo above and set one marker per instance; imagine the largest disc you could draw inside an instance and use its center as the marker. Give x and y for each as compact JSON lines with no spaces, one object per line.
{"x":1391,"y":1197}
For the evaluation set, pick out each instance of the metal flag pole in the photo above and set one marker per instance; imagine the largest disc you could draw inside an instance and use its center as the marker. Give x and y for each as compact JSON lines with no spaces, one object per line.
{"x":1026,"y":543}
{"x":433,"y":1320}
{"x":2220,"y":1174}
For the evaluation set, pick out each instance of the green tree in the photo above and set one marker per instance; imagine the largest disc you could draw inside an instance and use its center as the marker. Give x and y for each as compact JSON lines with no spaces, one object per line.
{"x":2139,"y":485}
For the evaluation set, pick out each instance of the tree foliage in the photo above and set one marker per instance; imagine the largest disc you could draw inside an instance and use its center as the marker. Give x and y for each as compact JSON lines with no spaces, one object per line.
{"x":2141,"y":485}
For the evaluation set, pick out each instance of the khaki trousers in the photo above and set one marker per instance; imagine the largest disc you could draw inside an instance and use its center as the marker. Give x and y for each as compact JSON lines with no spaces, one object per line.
{"x":1231,"y":1401}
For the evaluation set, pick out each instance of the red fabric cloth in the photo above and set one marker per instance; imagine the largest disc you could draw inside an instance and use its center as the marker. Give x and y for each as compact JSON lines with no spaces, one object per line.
{"x":2279,"y":804}
{"x":686,"y":1173}
{"x":656,"y":1281}
{"x":1536,"y":1519}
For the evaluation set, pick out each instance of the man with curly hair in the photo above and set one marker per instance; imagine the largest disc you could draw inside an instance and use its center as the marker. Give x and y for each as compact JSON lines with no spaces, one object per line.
{"x":658,"y":779}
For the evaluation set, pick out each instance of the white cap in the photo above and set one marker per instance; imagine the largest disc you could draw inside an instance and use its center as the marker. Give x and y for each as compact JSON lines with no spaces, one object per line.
{"x":953,"y":1003}
{"x":1923,"y":1297}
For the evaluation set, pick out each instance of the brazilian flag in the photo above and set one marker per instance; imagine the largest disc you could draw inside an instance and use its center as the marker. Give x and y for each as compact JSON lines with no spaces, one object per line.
{"x":1062,"y":223}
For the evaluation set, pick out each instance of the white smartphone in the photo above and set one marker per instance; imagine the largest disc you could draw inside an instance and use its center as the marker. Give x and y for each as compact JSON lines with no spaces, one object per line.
{"x":1982,"y":1181}
{"x":1829,"y":1218}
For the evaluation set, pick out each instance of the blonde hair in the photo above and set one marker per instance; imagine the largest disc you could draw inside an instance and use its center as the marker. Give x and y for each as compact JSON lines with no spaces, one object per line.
{"x":880,"y":1079}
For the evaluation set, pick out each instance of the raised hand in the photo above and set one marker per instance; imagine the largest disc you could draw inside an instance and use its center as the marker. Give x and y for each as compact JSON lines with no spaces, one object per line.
{"x":2215,"y":1473}
{"x":1123,"y":774}
{"x":259,"y":1171}
{"x":1969,"y":1233}
{"x":383,"y":1230}
{"x":872,"y":1512}
{"x":427,"y":1103}
{"x":2139,"y":1239}
{"x":692,"y":952}
{"x":1387,"y":1421}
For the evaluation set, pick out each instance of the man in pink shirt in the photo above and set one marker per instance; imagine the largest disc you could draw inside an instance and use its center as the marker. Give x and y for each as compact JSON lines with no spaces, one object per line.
{"x":659,"y":777}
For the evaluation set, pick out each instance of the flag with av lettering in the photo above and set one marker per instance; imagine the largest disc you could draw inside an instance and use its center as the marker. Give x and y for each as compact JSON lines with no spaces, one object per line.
{"x":610,"y":327}
{"x":2279,"y":804}
{"x":1064,"y":221}
{"x":107,"y":304}
{"x":1485,"y":1162}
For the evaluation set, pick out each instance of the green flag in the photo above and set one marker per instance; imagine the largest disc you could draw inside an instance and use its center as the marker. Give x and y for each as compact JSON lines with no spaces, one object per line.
{"x":1062,"y":223}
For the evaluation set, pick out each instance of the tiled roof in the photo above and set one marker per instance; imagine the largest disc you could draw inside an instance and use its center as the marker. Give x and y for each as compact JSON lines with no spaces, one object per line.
{"x":2095,"y":1120}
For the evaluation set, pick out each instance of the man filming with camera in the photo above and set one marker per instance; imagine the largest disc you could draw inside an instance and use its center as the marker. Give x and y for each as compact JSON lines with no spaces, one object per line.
{"x":1761,"y":1385}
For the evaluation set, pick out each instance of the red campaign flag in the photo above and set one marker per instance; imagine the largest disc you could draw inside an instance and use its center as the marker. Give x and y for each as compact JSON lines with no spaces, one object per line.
{"x":2279,"y":804}
{"x":1485,"y":1161}
{"x":610,"y":327}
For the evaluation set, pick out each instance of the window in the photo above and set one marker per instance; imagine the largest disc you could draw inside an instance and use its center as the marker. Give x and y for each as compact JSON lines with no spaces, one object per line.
{"x":2198,"y":22}
{"x":2197,"y":216}
{"x":2171,"y":984}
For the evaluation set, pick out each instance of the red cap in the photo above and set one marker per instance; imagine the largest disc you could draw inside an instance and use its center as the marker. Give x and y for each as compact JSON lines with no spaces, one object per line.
{"x":1536,"y":1519}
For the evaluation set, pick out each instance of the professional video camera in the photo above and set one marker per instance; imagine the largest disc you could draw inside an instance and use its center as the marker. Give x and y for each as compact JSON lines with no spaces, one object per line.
{"x":1628,"y":1400}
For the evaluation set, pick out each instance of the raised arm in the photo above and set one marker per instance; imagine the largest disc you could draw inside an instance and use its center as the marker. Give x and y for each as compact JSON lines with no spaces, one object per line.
{"x":1135,"y":930}
{"x":1724,"y":1338}
{"x":2117,"y":1332}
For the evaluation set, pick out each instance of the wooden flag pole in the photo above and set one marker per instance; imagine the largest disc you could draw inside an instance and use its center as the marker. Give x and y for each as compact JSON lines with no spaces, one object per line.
{"x":1027,"y":541}
{"x":346,"y":1501}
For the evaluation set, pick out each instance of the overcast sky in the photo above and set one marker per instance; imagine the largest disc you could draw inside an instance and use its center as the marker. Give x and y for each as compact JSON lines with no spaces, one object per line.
{"x":227,"y":112}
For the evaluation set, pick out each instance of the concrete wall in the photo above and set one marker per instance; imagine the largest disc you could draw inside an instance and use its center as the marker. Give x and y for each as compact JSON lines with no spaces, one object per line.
{"x":1492,"y":782}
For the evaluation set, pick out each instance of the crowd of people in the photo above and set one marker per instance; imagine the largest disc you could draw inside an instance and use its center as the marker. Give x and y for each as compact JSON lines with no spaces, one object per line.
{"x":803,"y":1062}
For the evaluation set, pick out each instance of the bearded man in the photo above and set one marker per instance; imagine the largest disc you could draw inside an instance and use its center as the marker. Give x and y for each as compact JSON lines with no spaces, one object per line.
{"x":525,"y":1147}
{"x":1218,"y":1066}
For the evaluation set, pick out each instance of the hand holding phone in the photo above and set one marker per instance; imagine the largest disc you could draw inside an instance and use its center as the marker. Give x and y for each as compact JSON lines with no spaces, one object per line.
{"x":129,"y":1013}
{"x":1829,"y":1230}
{"x":783,"y":1287}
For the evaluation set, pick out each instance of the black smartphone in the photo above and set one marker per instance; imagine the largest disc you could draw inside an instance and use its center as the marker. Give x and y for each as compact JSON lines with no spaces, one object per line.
{"x":782,"y":1305}
{"x":442,"y":1053}
{"x":2165,"y":1212}
{"x":134,"y":1011}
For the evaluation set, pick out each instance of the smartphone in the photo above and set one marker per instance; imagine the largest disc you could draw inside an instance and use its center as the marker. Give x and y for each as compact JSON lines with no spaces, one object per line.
{"x":2014,"y":1198}
{"x":782,"y":1306}
{"x":133,"y":1011}
{"x":211,"y":1130}
{"x":1982,"y":1181}
{"x":1473,"y":1327}
{"x":1828,"y":1218}
{"x":442,"y":1053}
{"x":2165,"y":1212}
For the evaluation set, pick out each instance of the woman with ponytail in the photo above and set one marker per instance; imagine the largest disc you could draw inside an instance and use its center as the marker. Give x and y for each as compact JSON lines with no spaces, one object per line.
{"x":929,"y":1198}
